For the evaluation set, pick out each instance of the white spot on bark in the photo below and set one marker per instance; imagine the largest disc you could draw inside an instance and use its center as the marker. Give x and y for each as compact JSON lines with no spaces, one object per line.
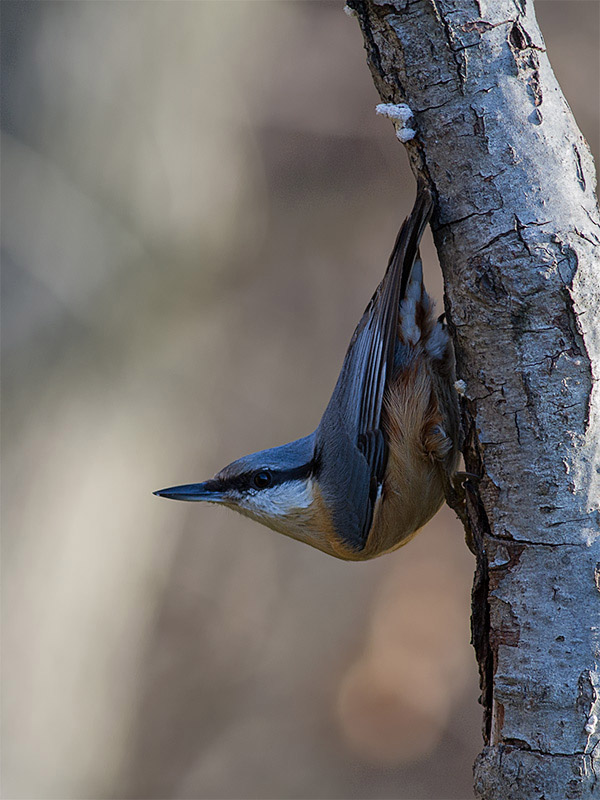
{"x":405,"y":134}
{"x":399,"y":113}
{"x":591,"y":724}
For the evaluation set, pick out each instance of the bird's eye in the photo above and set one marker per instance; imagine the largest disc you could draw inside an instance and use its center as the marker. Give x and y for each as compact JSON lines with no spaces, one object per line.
{"x":262,"y":479}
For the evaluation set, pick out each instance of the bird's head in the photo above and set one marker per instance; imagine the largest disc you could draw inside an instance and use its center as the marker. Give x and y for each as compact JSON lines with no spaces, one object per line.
{"x":277,"y":487}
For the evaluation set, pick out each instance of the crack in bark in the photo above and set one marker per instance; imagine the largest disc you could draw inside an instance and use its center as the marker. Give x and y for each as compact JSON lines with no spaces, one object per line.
{"x":461,"y":69}
{"x":434,"y":108}
{"x":359,"y":6}
{"x":580,"y":175}
{"x":582,"y":235}
{"x":488,"y":212}
{"x":521,"y":744}
{"x":479,"y":528}
{"x":530,"y":543}
{"x":567,"y":521}
{"x":591,"y":219}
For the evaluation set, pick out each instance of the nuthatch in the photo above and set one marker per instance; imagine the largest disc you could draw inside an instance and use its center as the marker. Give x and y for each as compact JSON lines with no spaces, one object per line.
{"x":375,"y":470}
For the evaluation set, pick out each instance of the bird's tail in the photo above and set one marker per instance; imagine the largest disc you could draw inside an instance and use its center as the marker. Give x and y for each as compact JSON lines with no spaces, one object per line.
{"x":406,"y":246}
{"x":400,"y":266}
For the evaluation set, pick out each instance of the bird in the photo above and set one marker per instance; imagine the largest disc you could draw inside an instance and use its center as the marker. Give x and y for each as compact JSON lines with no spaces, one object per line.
{"x":385,"y":452}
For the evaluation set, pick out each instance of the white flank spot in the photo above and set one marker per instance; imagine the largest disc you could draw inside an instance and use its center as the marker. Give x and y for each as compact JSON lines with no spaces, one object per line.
{"x":411,"y":332}
{"x":350,"y":11}
{"x":437,"y":342}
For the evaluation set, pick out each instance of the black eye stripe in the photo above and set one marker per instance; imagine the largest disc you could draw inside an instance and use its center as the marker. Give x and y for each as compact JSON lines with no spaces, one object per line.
{"x":246,"y":481}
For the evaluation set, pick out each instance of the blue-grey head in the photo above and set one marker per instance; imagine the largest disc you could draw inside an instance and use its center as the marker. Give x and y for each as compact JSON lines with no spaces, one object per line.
{"x":276,"y":487}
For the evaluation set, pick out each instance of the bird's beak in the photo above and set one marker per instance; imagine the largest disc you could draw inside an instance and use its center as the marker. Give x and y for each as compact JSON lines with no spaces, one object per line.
{"x":209,"y":492}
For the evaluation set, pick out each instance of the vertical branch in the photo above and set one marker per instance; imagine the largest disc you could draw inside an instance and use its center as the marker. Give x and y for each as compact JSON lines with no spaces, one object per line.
{"x":517,"y":231}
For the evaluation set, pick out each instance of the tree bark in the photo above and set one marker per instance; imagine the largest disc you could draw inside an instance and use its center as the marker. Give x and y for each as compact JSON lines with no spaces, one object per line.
{"x":517,"y":232}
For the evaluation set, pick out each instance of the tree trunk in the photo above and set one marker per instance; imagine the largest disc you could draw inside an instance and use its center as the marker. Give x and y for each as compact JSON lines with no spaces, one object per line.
{"x":517,"y":231}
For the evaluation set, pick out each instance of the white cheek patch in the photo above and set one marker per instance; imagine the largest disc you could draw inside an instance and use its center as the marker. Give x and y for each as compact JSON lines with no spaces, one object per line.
{"x":281,"y":500}
{"x":287,"y":508}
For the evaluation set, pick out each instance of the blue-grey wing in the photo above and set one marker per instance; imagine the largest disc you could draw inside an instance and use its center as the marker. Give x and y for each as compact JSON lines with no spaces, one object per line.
{"x":354,"y":451}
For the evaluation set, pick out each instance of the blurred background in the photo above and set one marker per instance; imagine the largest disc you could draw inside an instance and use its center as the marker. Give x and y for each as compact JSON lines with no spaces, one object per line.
{"x":197,"y":203}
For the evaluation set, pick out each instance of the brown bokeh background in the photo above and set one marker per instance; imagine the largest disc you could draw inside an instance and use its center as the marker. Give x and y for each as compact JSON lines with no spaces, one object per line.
{"x":198,"y":201}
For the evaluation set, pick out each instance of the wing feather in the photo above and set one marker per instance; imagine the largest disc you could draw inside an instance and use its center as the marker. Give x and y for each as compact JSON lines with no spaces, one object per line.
{"x":357,"y":401}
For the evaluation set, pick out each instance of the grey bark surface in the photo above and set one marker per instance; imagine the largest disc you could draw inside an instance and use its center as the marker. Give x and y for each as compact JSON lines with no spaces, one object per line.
{"x":517,"y":231}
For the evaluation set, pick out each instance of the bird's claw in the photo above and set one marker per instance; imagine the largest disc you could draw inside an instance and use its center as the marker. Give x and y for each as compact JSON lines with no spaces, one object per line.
{"x":456,"y":497}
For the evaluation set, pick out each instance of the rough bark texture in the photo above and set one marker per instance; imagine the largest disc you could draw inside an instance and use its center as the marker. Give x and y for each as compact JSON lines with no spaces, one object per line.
{"x":517,"y":232}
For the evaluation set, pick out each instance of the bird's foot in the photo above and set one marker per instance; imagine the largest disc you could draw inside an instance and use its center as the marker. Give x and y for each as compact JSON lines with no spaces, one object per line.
{"x":455,"y":489}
